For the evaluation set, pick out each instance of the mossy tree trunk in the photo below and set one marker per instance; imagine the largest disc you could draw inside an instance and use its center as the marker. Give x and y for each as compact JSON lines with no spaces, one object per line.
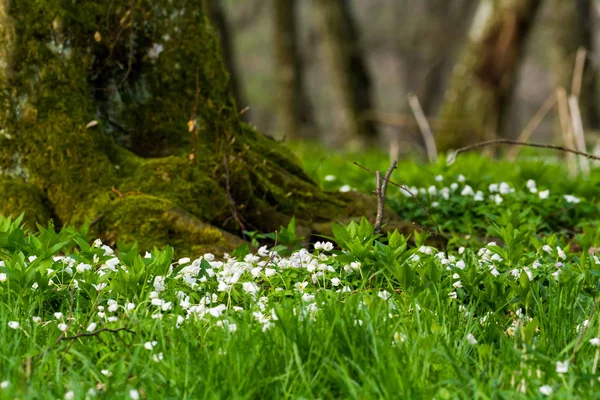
{"x":295,"y":111}
{"x":121,"y":114}
{"x":216,"y":14}
{"x":484,"y":77}
{"x":348,"y":68}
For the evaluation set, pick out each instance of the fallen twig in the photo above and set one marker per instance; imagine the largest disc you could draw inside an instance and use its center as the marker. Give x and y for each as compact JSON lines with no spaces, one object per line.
{"x":425,"y":210}
{"x":95,"y":333}
{"x":380,"y":192}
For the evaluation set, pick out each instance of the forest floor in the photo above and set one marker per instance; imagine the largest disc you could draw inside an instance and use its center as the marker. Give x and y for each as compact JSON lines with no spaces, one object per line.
{"x":507,"y":308}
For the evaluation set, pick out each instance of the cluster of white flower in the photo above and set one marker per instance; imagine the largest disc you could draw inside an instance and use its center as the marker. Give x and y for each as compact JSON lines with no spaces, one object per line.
{"x":496,"y":191}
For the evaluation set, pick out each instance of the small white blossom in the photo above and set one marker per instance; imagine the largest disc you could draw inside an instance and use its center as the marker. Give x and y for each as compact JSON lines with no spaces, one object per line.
{"x":62,"y":327}
{"x":329,"y":178}
{"x":384,"y":295}
{"x":2,"y":277}
{"x":336,"y":282}
{"x":546,"y":390}
{"x":571,"y":199}
{"x":91,"y":327}
{"x":134,"y":394}
{"x":467,"y":191}
{"x":544,"y":194}
{"x":595,"y":342}
{"x":471,"y":339}
{"x":13,"y":324}
{"x":150,"y":345}
{"x":4,"y":384}
{"x":562,"y":367}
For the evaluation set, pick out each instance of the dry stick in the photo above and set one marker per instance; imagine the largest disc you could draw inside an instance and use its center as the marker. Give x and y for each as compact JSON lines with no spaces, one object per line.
{"x":565,"y":128}
{"x":533,"y":124}
{"x":415,"y":106}
{"x":578,"y":72}
{"x":578,"y":132}
{"x":574,"y":107}
{"x":425,"y":210}
{"x":452,"y":156}
{"x":95,"y":333}
{"x":380,"y":203}
{"x":380,"y":193}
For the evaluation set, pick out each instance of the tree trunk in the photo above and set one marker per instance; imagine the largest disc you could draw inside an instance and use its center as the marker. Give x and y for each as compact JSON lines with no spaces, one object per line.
{"x":121,"y":115}
{"x":484,"y":77}
{"x":348,"y":68}
{"x":295,"y":111}
{"x":217,"y":16}
{"x":428,"y":51}
{"x":571,"y":28}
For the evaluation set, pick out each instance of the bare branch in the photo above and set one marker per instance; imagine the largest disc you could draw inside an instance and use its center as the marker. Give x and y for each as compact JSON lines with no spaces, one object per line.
{"x":428,"y":138}
{"x":452,"y":155}
{"x":407,"y":190}
{"x":95,"y":333}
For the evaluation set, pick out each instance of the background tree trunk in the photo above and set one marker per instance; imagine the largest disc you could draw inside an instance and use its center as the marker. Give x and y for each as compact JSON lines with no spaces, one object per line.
{"x":428,"y":51}
{"x":122,"y":114}
{"x":571,"y":28}
{"x":218,"y":18}
{"x":348,"y":68}
{"x":484,"y":77}
{"x":295,"y":111}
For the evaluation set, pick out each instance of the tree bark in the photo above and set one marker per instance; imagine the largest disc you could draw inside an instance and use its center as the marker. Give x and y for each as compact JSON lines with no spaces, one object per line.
{"x":484,"y":77}
{"x":122,"y":115}
{"x":348,"y":68}
{"x":294,"y":108}
{"x":218,"y":18}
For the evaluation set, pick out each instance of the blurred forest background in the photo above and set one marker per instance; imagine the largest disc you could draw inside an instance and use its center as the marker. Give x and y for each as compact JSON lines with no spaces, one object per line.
{"x":355,"y":72}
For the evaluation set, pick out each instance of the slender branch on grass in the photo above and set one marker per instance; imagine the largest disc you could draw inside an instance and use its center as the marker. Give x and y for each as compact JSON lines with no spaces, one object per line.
{"x":414,"y":197}
{"x":380,"y":193}
{"x":452,"y":156}
{"x":95,"y":333}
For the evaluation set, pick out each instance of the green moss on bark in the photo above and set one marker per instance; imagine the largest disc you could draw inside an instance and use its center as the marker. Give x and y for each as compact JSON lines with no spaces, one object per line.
{"x":144,"y":72}
{"x":19,"y":197}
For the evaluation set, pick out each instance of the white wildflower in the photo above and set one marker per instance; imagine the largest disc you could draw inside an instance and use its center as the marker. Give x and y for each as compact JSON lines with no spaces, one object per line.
{"x":562,"y":367}
{"x":471,"y":339}
{"x":546,"y":390}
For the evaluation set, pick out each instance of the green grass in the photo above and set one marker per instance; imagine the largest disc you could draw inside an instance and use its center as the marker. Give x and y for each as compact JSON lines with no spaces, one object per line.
{"x":371,"y":317}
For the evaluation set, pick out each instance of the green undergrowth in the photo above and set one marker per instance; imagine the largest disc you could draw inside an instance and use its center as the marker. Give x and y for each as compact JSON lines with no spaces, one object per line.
{"x":361,"y":316}
{"x":570,"y":207}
